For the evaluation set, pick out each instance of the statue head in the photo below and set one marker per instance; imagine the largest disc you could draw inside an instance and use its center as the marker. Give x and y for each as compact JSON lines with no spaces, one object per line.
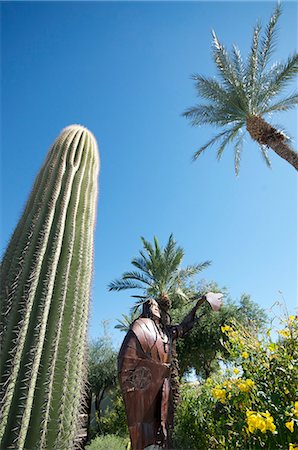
{"x":151,"y":309}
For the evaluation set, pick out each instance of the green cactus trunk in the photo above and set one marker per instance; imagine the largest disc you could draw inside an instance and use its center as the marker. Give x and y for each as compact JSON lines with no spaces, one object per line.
{"x":45,"y":290}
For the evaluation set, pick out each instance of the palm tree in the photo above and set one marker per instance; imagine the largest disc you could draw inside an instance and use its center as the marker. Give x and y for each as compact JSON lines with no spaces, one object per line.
{"x":244,"y":94}
{"x":159,"y":275}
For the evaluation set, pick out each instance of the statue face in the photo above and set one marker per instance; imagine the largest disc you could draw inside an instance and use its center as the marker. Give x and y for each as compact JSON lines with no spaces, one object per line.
{"x":154,"y":308}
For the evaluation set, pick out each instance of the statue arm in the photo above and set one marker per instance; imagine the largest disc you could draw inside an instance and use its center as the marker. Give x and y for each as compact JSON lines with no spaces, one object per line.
{"x":190,"y":319}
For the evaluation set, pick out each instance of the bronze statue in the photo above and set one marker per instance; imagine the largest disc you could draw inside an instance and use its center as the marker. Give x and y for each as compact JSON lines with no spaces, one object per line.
{"x":144,"y":363}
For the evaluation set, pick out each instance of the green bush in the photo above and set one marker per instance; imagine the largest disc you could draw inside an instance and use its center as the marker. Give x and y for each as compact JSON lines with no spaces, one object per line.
{"x":194,"y":424}
{"x":113,"y":420}
{"x":108,"y":442}
{"x":251,"y":406}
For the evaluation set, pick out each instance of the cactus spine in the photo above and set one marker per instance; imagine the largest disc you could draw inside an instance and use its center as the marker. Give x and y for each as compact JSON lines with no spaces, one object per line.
{"x":45,"y":290}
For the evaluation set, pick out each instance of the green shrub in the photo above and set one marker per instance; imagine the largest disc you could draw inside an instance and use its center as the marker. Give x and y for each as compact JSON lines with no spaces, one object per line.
{"x":108,"y":442}
{"x":194,"y":423}
{"x":113,"y":420}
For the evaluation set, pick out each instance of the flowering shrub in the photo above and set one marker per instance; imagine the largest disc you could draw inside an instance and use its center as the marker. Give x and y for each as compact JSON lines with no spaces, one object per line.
{"x":253,"y":405}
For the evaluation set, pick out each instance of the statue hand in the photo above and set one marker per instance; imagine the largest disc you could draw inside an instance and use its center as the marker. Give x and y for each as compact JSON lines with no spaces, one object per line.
{"x":214,"y":300}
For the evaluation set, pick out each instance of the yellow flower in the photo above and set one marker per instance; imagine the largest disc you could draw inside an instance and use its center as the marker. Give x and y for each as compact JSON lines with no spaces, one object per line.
{"x":295,"y":409}
{"x":290,"y":425}
{"x":245,"y":355}
{"x":208,"y":381}
{"x":225,"y":328}
{"x":243,"y":387}
{"x":270,"y":426}
{"x":269,"y":421}
{"x":272,"y":346}
{"x":291,"y":318}
{"x":285,"y":333}
{"x":236,"y":371}
{"x":219,"y":394}
{"x":293,"y":446}
{"x":260,"y":421}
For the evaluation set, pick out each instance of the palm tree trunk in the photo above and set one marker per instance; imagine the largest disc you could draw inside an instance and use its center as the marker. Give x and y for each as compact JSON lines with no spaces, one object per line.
{"x":262,"y":132}
{"x":175,"y":385}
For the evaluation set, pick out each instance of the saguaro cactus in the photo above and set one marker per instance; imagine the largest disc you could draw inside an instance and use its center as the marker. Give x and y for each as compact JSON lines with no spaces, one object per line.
{"x":45,"y":289}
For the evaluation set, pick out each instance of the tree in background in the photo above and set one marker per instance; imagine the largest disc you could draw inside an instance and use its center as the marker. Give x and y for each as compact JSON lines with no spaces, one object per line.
{"x":244,"y":94}
{"x":102,"y":369}
{"x":106,"y":407}
{"x":203,"y":348}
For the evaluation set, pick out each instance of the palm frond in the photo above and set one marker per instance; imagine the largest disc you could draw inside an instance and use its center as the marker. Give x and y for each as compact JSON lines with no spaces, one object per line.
{"x":252,"y":68}
{"x":125,"y":323}
{"x":147,"y":246}
{"x":279,"y":76}
{"x":210,"y":89}
{"x":153,"y":260}
{"x":209,"y":143}
{"x":219,"y":96}
{"x":268,"y":42}
{"x":120,"y":285}
{"x":144,"y":257}
{"x":288,"y":71}
{"x":169,"y":250}
{"x":237,"y":155}
{"x":214,"y":114}
{"x":238,"y":64}
{"x":177,"y":259}
{"x":193,"y":269}
{"x":232,"y":133}
{"x":282,"y":105}
{"x":157,"y":247}
{"x":224,"y":64}
{"x":264,"y":153}
{"x":138,"y":276}
{"x":142,"y":264}
{"x":173,"y":256}
{"x":137,"y":306}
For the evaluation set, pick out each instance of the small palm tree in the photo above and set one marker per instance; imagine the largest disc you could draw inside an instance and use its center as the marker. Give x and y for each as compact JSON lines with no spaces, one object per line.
{"x":126,"y":321}
{"x":244,"y":94}
{"x":159,"y":274}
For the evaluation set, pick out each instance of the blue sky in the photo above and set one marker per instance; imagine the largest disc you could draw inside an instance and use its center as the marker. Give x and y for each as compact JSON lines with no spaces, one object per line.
{"x":123,"y":70}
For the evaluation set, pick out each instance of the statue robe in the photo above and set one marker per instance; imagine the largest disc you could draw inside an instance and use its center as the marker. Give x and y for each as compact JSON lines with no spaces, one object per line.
{"x":144,"y":370}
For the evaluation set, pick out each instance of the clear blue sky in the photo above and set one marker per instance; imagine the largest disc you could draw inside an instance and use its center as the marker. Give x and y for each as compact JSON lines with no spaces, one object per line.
{"x":123,"y":70}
